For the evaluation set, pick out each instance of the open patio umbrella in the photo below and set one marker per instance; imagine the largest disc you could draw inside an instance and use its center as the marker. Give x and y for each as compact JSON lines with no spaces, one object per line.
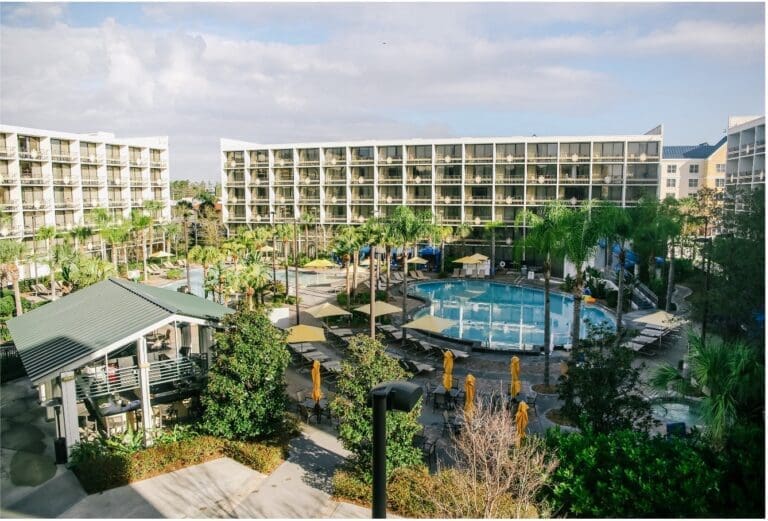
{"x":469,"y":394}
{"x":305,"y":333}
{"x":379,"y":308}
{"x":430,"y":323}
{"x":320,"y":263}
{"x":417,"y":260}
{"x":479,"y":256}
{"x":447,"y":370}
{"x":514,"y":369}
{"x":326,"y":309}
{"x":162,"y":254}
{"x":661,"y":319}
{"x":266,"y":249}
{"x":470,"y":259}
{"x":316,"y":394}
{"x":521,"y":420}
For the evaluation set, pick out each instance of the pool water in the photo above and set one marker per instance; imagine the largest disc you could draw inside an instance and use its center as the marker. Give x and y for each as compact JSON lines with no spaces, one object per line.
{"x":676,"y":412}
{"x":503,"y":316}
{"x":306,"y":279}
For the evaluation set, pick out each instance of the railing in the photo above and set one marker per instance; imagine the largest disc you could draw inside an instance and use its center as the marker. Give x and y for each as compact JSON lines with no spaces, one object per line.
{"x":35,"y":179}
{"x":419,"y":160}
{"x":10,"y":206}
{"x":542,"y":159}
{"x":475,"y":160}
{"x":479,"y":180}
{"x":63,"y":158}
{"x":361,"y":200}
{"x":510,"y":199}
{"x":66,"y":205}
{"x":307,"y":162}
{"x":451,"y":180}
{"x":510,"y":180}
{"x":574,"y":180}
{"x":336,"y":200}
{"x":362,"y":161}
{"x":421,"y":200}
{"x":259,"y":180}
{"x":7,"y":152}
{"x":283,"y":162}
{"x":478,"y":200}
{"x":137,"y":181}
{"x":532,"y":180}
{"x":599,"y":158}
{"x":118,"y":203}
{"x":92,"y":159}
{"x":157,"y":181}
{"x":335,"y":180}
{"x":335,"y":219}
{"x":8,"y":179}
{"x":390,"y":180}
{"x":419,"y":180}
{"x":284,"y":180}
{"x":570,"y":159}
{"x":115,"y":182}
{"x":391,"y":200}
{"x":157,"y":164}
{"x":136,"y":161}
{"x":63,"y":181}
{"x":448,"y":160}
{"x":390,"y":160}
{"x":90,"y":181}
{"x":309,"y":180}
{"x":90,"y":203}
{"x":235,"y":182}
{"x":116,"y":161}
{"x":33,"y":155}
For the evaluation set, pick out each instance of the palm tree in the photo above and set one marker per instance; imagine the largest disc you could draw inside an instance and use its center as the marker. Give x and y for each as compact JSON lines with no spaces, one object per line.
{"x":206,"y":256}
{"x":81,"y":233}
{"x":86,"y":271}
{"x":389,"y":242}
{"x":116,"y":235}
{"x":372,"y":233}
{"x":233,"y":248}
{"x":730,"y":376}
{"x":408,"y":228}
{"x":172,"y":232}
{"x":253,"y":277}
{"x":153,"y":207}
{"x":307,"y":219}
{"x":463,"y":231}
{"x":284,"y":232}
{"x":101,"y":219}
{"x":672,"y":227}
{"x":10,"y":251}
{"x":46,"y":233}
{"x":545,"y":235}
{"x":140,"y":222}
{"x":63,"y":257}
{"x":442,"y":234}
{"x":490,"y":230}
{"x":345,"y":243}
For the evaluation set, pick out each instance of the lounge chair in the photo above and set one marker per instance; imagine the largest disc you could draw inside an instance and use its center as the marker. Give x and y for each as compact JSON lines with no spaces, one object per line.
{"x":41,"y":289}
{"x":456,"y":272}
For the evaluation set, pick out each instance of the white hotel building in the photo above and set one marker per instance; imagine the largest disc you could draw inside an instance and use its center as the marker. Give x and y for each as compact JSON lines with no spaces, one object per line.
{"x":51,"y":178}
{"x":460,"y":180}
{"x":746,"y":151}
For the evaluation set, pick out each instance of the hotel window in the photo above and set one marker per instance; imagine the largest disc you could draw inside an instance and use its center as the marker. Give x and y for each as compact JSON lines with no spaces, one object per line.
{"x":671,"y":169}
{"x":480,"y":151}
{"x":88,"y":151}
{"x":719,"y":183}
{"x":59,"y":148}
{"x":113,"y":152}
{"x":510,"y":151}
{"x":693,"y":169}
{"x":636,"y":150}
{"x":390,"y":152}
{"x":720,"y":168}
{"x":609,"y":150}
{"x":671,"y":183}
{"x":568,"y":150}
{"x":693,"y":183}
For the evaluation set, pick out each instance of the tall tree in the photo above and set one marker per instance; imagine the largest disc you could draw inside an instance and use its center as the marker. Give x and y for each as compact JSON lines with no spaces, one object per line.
{"x":140,"y":223}
{"x":48,"y":233}
{"x":442,"y":234}
{"x":206,"y":256}
{"x":372,"y":233}
{"x":463,"y":231}
{"x":10,"y":252}
{"x":344,"y":244}
{"x":101,"y":218}
{"x":490,"y":231}
{"x":545,"y":235}
{"x":80,"y":234}
{"x":284,"y":233}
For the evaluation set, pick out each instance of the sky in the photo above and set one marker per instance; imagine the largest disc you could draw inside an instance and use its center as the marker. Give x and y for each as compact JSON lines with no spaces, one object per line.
{"x":290,"y":72}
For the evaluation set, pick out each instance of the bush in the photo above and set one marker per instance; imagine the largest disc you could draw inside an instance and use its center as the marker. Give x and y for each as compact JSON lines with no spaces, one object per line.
{"x":174,"y":274}
{"x":346,"y":485}
{"x":683,"y":269}
{"x":361,"y":297}
{"x":568,"y":284}
{"x":245,"y":395}
{"x":611,"y":297}
{"x":628,"y":474}
{"x":262,"y":458}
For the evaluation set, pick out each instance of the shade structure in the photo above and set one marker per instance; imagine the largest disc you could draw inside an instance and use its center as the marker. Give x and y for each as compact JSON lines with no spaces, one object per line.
{"x":479,"y":256}
{"x":521,"y":420}
{"x":514,"y":369}
{"x":471,"y":259}
{"x":430,"y":323}
{"x":162,"y":254}
{"x":379,"y":308}
{"x":305,"y":333}
{"x":661,"y":319}
{"x":326,"y":309}
{"x":469,"y":394}
{"x":320,"y":263}
{"x":447,"y":370}
{"x":316,"y":394}
{"x":266,"y":249}
{"x":417,"y":260}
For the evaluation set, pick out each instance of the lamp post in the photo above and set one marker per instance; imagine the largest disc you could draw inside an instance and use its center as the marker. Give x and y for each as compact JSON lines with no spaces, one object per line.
{"x":296,"y":265}
{"x":186,"y":249}
{"x":387,"y":396}
{"x":274,"y":251}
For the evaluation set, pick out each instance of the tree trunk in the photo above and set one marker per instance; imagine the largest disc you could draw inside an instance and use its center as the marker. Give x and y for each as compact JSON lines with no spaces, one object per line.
{"x":547,"y":312}
{"x":16,"y":291}
{"x":144,"y":254}
{"x":670,"y":279}
{"x":355,"y":258}
{"x":51,"y":269}
{"x":346,"y":280}
{"x":620,"y":299}
{"x":442,"y":256}
{"x":285,"y":250}
{"x":372,"y":270}
{"x":493,"y":252}
{"x":388,"y":253}
{"x":577,"y":293}
{"x":405,"y":289}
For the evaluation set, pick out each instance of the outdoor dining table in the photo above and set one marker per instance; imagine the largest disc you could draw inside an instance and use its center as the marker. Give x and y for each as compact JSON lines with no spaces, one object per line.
{"x":311,"y":356}
{"x":652,"y":332}
{"x":645,"y":339}
{"x":316,"y":408}
{"x":302,"y":348}
{"x":334,"y":366}
{"x":342,"y":332}
{"x":450,"y":397}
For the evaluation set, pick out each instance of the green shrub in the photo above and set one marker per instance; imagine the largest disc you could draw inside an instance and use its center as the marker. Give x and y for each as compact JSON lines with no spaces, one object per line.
{"x":174,"y":273}
{"x":7,"y":306}
{"x":260,"y":457}
{"x":346,"y":485}
{"x":568,"y":284}
{"x":628,"y":474}
{"x":361,"y":297}
{"x":684,"y":269}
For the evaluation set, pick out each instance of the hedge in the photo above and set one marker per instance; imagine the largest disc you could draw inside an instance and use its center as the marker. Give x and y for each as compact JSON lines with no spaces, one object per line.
{"x":99,"y":472}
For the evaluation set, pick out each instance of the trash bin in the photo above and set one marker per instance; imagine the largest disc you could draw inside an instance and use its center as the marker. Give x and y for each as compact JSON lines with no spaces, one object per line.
{"x":60,"y":450}
{"x":524,"y":271}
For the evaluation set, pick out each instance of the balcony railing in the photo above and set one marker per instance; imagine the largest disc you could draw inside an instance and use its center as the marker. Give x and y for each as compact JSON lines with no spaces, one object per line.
{"x":479,"y":180}
{"x":448,"y":159}
{"x":509,"y":199}
{"x":115,"y":182}
{"x":609,"y":158}
{"x":63,"y":181}
{"x":157,"y":163}
{"x":391,"y":200}
{"x":390,"y":180}
{"x":542,"y":180}
{"x":448,"y":180}
{"x":335,"y":180}
{"x":578,"y":180}
{"x":236,"y":182}
{"x":138,"y":181}
{"x":91,"y":181}
{"x":361,"y":200}
{"x":137,"y":161}
{"x":482,"y":199}
{"x":34,"y":179}
{"x":259,"y":180}
{"x":419,"y":180}
{"x":337,"y":200}
{"x":309,"y":162}
{"x":7,"y":153}
{"x":362,"y":180}
{"x":11,"y":231}
{"x":10,"y":206}
{"x":420,"y":160}
{"x":36,"y":205}
{"x":447,"y":219}
{"x":118,"y":203}
{"x":421,"y":200}
{"x":309,"y":181}
{"x":8,"y":179}
{"x":335,"y":219}
{"x":390,"y":160}
{"x":90,"y":203}
{"x":283,"y":162}
{"x":157,"y":181}
{"x":116,"y":161}
{"x":476,"y":160}
{"x":33,"y":155}
{"x":91,"y":159}
{"x":315,"y":199}
{"x":362,"y":161}
{"x":284,"y":180}
{"x":63,"y":158}
{"x":66,"y":205}
{"x":510,"y":180}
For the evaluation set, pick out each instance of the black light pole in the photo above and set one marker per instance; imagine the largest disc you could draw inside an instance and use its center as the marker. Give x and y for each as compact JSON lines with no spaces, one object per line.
{"x":296,"y":268}
{"x":387,"y":396}
{"x":186,"y":250}
{"x":274,"y":251}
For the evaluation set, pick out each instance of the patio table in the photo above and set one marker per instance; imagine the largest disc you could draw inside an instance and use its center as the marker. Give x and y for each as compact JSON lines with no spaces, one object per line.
{"x":645,"y":339}
{"x":316,"y":408}
{"x":333,"y":366}
{"x":658,"y":333}
{"x":311,"y":356}
{"x":343,"y":332}
{"x":450,"y":397}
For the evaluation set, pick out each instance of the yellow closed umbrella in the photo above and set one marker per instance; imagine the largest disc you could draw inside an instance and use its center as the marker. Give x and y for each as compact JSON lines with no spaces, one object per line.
{"x":469,"y":394}
{"x":320,"y":263}
{"x":521,"y":420}
{"x":316,"y":394}
{"x":447,"y":370}
{"x":514,"y":368}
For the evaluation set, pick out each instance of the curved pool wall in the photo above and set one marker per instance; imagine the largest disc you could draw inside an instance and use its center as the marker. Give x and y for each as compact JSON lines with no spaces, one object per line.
{"x":501,"y":316}
{"x":306,"y":279}
{"x":677,"y":409}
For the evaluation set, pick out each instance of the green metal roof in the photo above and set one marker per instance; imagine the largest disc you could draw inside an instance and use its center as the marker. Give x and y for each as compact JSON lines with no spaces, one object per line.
{"x":74,"y":327}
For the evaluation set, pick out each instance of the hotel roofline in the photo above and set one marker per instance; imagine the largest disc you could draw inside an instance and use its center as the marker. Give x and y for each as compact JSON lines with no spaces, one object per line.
{"x":98,"y":136}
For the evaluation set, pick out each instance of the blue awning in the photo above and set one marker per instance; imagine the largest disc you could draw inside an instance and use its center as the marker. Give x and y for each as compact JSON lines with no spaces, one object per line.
{"x":429,"y":250}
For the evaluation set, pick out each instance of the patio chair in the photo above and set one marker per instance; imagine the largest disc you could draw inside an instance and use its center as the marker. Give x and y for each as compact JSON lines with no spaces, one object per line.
{"x":438,"y":401}
{"x":450,"y":425}
{"x":456,"y":272}
{"x":41,"y":289}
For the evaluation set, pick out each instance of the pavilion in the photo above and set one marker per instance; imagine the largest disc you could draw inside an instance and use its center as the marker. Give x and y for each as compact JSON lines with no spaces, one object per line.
{"x":117,"y":356}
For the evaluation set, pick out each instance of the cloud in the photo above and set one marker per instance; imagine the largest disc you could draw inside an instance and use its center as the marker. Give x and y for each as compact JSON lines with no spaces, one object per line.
{"x":380,"y":71}
{"x":39,"y":14}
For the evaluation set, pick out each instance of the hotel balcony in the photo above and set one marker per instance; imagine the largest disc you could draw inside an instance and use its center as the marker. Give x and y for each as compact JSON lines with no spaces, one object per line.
{"x":284,"y":178}
{"x":418,"y":199}
{"x":9,"y":179}
{"x":260,"y":199}
{"x":34,"y":179}
{"x":449,"y":218}
{"x":283,"y":160}
{"x":158,"y":163}
{"x":11,"y":231}
{"x":478,"y":199}
{"x":36,"y":205}
{"x":448,"y":159}
{"x":510,"y":180}
{"x":334,"y":218}
{"x":259,"y":158}
{"x":760,"y":145}
{"x":8,"y":153}
{"x":412,"y":160}
{"x":116,"y":161}
{"x":308,"y":161}
{"x":390,"y":180}
{"x":309,"y":179}
{"x":115,"y":182}
{"x":236,"y":217}
{"x":391,"y":200}
{"x":139,"y":182}
{"x":91,"y":203}
{"x":542,"y":179}
{"x":362,"y":156}
{"x":67,"y":205}
{"x":448,"y":180}
{"x":335,"y":178}
{"x":67,"y":180}
{"x":137,"y":161}
{"x":362,"y":179}
{"x":64,"y":158}
{"x":367,"y":199}
{"x":390,"y":160}
{"x":118,"y":203}
{"x":233,"y":181}
{"x":472,"y":160}
{"x":91,"y":159}
{"x":419,"y":180}
{"x":309,"y":199}
{"x":509,"y":199}
{"x":33,"y":155}
{"x":10,"y":206}
{"x":574,"y":158}
{"x":259,"y":179}
{"x":486,"y":180}
{"x":157,"y":181}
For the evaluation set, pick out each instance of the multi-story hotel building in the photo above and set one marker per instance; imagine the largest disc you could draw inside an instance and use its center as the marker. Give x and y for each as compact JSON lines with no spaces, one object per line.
{"x":51,"y":178}
{"x":746,"y":151}
{"x":686,"y":169}
{"x":460,"y":180}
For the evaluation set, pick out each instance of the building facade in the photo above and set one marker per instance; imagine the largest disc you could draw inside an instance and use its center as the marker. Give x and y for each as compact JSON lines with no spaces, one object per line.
{"x":686,"y":169}
{"x":50,"y":178}
{"x":746,"y":151}
{"x":461,"y":180}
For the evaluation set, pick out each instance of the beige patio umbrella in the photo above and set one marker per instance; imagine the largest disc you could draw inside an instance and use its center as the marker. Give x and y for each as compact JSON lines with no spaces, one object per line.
{"x":379,"y":308}
{"x":305,"y":333}
{"x":320,"y":263}
{"x":417,"y":260}
{"x":469,"y":259}
{"x":661,"y":319}
{"x":479,"y":256}
{"x":326,"y":309}
{"x":430,"y":323}
{"x":162,"y":254}
{"x":266,"y":249}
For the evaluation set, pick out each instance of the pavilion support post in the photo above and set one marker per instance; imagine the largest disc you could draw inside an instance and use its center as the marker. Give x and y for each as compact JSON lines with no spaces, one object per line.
{"x":69,"y":409}
{"x":146,"y":406}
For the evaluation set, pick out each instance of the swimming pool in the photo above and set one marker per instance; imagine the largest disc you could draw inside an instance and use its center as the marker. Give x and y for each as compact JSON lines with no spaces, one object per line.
{"x":306,"y":279}
{"x":503,"y":316}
